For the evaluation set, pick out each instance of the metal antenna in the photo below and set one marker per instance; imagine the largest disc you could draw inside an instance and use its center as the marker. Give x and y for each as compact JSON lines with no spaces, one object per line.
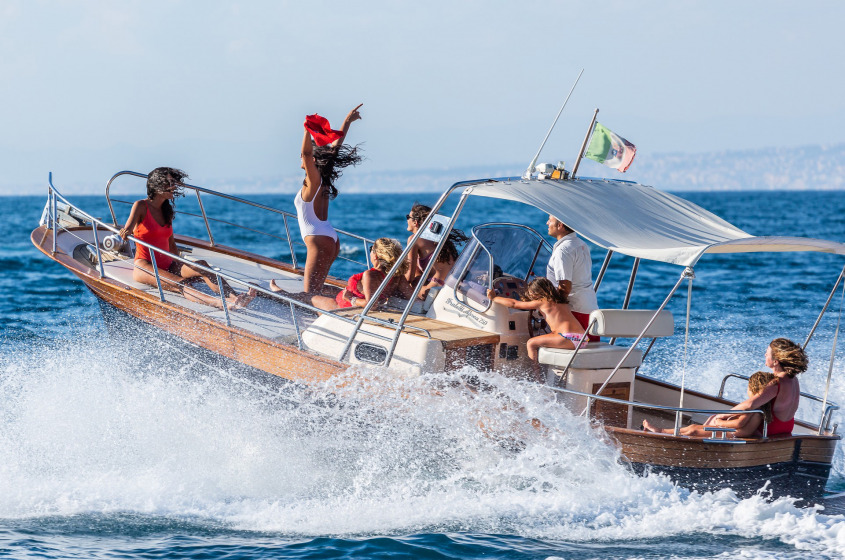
{"x":530,"y":169}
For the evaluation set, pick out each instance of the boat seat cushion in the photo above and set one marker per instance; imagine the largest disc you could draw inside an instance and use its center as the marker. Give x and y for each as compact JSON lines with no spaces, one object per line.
{"x":629,"y":323}
{"x":595,"y":355}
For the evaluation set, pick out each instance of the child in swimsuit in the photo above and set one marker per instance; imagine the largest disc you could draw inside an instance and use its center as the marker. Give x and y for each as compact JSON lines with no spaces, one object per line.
{"x":746,"y":425}
{"x":542,"y":296}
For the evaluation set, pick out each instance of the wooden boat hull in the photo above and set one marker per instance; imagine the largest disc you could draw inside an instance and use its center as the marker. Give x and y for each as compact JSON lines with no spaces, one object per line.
{"x":796,"y":466}
{"x":230,"y":342}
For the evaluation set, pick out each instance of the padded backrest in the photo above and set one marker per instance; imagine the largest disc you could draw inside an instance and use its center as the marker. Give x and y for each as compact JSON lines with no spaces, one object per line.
{"x":629,"y":323}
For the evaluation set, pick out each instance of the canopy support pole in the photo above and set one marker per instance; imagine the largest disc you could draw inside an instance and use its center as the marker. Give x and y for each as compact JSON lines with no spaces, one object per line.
{"x":824,"y":308}
{"x":832,"y":356}
{"x":630,"y":288}
{"x":688,"y":271}
{"x":686,"y":345}
{"x":604,"y":264}
{"x":584,"y":144}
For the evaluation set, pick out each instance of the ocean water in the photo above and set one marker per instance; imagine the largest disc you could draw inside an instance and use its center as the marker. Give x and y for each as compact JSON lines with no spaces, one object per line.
{"x":111,"y":452}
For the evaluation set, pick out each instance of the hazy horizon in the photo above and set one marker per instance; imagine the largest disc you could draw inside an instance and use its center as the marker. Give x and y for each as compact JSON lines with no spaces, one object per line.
{"x":220,"y":88}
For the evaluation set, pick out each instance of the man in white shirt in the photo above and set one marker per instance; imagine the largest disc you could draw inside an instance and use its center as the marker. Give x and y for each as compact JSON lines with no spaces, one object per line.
{"x":570,"y":269}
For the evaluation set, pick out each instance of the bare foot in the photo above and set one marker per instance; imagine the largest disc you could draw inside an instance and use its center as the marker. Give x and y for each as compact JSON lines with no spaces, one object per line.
{"x":649,"y":428}
{"x":274,"y":287}
{"x":242,"y":300}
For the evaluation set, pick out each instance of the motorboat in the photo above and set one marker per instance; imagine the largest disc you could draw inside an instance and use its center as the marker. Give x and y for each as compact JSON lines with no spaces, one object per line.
{"x":456,"y":325}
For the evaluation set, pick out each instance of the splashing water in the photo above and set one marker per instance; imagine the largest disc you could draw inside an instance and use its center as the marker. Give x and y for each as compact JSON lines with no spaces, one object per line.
{"x":86,"y":431}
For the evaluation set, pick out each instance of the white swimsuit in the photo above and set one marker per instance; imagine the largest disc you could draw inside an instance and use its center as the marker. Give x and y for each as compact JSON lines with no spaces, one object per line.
{"x":309,"y":223}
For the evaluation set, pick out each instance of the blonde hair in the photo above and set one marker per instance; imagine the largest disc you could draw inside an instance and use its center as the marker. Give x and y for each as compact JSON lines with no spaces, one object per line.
{"x":387,"y":253}
{"x":542,"y":288}
{"x":756,"y":383}
{"x":790,"y":356}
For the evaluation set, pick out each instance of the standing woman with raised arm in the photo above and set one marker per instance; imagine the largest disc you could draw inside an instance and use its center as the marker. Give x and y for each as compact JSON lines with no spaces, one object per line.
{"x":322,"y":164}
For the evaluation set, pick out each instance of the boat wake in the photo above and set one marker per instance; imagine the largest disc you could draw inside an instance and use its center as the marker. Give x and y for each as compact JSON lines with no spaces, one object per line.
{"x":92,"y":431}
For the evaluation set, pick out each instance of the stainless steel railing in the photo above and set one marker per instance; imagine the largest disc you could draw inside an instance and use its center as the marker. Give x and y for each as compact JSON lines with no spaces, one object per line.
{"x":367,"y":243}
{"x":96,"y":224}
{"x":679,"y":411}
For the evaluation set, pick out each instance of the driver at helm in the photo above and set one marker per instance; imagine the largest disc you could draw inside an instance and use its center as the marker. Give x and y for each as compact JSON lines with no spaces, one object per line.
{"x":570,"y":269}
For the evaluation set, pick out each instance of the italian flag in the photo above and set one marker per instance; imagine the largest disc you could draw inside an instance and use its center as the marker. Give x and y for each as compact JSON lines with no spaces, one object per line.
{"x":610,"y":149}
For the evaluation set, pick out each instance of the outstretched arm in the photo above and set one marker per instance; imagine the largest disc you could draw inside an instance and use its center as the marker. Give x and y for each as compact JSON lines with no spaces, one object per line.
{"x":353,"y":115}
{"x":515,"y":304}
{"x":754,"y":402}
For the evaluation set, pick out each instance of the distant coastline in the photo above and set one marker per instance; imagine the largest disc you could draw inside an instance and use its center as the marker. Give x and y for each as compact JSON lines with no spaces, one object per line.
{"x":798,"y":168}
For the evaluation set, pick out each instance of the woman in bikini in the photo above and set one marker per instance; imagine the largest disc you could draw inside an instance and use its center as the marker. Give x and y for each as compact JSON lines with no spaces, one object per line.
{"x":544,"y":297}
{"x":322,"y":165}
{"x":423,"y":249}
{"x":151,"y":221}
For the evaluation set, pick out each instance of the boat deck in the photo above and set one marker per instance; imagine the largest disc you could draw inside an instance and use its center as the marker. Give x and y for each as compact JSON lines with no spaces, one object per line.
{"x":264,"y":316}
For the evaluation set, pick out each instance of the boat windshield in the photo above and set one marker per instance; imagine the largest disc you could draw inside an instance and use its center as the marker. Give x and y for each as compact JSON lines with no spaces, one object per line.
{"x":508,"y":251}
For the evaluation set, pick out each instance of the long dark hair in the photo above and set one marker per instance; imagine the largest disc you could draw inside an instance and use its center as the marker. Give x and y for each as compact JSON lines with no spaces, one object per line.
{"x":331,"y":160}
{"x":449,"y":253}
{"x":163,"y":179}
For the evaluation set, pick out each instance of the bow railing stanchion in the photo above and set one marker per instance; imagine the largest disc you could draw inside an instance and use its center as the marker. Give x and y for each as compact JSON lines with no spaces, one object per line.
{"x":97,"y":248}
{"x":155,"y":271}
{"x":290,"y":241}
{"x":53,"y":211}
{"x":223,"y":300}
{"x":295,"y":322}
{"x":205,"y":219}
{"x":677,"y":428}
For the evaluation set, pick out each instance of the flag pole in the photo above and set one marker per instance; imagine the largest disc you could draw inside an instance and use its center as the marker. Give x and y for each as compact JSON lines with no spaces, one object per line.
{"x":527,"y":174}
{"x":584,"y":145}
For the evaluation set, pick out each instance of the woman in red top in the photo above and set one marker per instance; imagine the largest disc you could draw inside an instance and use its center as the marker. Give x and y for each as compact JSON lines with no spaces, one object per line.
{"x":151,"y":221}
{"x":361,"y":287}
{"x":786,"y":360}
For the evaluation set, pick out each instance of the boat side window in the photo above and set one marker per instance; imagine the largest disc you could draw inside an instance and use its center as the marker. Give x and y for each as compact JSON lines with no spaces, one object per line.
{"x":516,"y":251}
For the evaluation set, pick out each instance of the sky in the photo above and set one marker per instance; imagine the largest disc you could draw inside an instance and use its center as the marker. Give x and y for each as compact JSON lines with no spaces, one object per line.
{"x":221,"y":88}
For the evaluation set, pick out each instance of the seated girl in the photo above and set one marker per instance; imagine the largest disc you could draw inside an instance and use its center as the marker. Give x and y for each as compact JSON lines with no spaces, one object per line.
{"x":151,"y":221}
{"x":423,"y":249}
{"x":746,"y":425}
{"x":361,"y":287}
{"x":550,"y":302}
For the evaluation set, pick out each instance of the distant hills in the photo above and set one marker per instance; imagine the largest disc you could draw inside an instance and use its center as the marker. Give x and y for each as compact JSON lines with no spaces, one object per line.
{"x":802,"y":168}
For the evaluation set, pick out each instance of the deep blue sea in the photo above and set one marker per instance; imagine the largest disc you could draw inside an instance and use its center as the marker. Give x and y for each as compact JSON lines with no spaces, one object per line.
{"x":105,"y":457}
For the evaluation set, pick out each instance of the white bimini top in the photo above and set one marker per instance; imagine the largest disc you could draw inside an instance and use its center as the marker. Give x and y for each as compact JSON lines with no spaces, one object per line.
{"x":641,"y":221}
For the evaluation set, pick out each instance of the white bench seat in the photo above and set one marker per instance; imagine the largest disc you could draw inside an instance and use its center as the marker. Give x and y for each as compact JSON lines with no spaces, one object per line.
{"x":625,"y":323}
{"x":595,"y":355}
